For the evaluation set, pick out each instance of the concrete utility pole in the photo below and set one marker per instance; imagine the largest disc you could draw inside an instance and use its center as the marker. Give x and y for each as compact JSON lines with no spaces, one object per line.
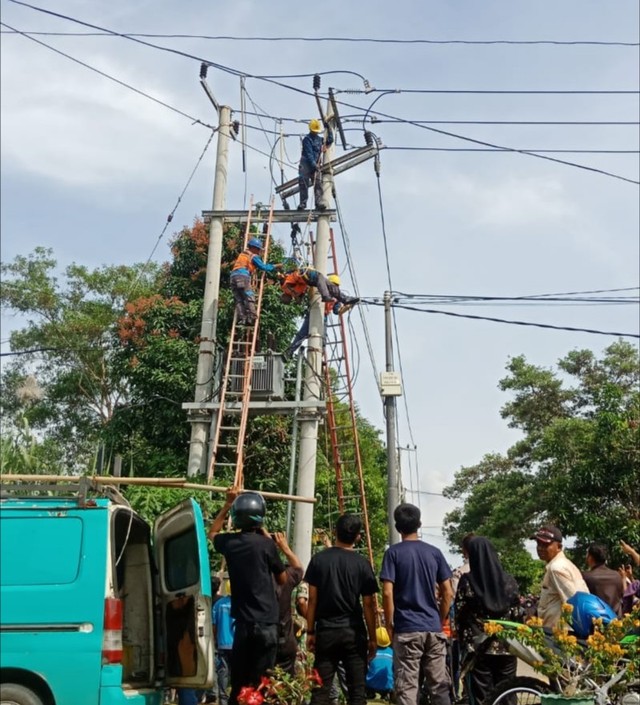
{"x":198,"y":454}
{"x":303,"y":526}
{"x":389,"y":393}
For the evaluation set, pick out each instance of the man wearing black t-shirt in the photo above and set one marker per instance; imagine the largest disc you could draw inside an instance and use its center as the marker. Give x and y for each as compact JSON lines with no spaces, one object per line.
{"x":253,"y":563}
{"x":336,"y":632}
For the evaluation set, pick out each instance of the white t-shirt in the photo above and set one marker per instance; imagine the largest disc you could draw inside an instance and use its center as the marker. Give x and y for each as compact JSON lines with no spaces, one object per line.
{"x":562,"y":580}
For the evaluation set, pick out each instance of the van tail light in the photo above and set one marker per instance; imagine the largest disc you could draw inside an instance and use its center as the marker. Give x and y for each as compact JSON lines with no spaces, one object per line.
{"x":112,"y":639}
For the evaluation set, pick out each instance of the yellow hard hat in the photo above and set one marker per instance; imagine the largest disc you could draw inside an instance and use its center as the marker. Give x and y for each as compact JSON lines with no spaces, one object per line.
{"x":382,"y":637}
{"x":315,"y":125}
{"x":334,"y":279}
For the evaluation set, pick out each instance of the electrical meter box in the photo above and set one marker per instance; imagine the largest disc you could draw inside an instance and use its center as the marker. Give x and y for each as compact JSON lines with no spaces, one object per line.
{"x":390,"y":384}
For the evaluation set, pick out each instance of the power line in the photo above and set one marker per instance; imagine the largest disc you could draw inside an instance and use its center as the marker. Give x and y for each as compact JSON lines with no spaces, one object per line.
{"x":361,"y":40}
{"x":375,"y":120}
{"x":508,"y":149}
{"x":410,"y":148}
{"x":473,"y":91}
{"x":111,"y":78}
{"x":170,"y":216}
{"x":376,"y":302}
{"x":571,"y":123}
{"x":236,"y":72}
{"x":511,"y":149}
{"x":395,"y":323}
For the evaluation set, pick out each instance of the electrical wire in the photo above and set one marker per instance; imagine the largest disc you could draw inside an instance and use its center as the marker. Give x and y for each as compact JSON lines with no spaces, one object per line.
{"x":171,"y":214}
{"x":510,"y":322}
{"x":507,"y":150}
{"x":194,"y":120}
{"x":236,"y":72}
{"x":411,"y":148}
{"x":393,"y":316}
{"x":572,"y":123}
{"x":511,"y":149}
{"x":352,"y":118}
{"x":354,"y":281}
{"x":360,"y":40}
{"x":474,"y":91}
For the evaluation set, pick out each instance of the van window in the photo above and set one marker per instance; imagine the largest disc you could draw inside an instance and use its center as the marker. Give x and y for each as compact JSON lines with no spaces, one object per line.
{"x":42,"y":552}
{"x":182,"y":567}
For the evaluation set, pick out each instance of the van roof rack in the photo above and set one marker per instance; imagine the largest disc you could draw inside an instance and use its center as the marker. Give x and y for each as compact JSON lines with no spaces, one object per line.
{"x":78,"y":488}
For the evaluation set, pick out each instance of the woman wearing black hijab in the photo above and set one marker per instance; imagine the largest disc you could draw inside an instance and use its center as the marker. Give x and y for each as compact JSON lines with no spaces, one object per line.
{"x":485,"y":592}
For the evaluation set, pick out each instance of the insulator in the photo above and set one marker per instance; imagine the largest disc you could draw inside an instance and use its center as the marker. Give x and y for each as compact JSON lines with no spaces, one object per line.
{"x":203,"y":70}
{"x":368,"y":138}
{"x":367,"y":86}
{"x":316,"y":82}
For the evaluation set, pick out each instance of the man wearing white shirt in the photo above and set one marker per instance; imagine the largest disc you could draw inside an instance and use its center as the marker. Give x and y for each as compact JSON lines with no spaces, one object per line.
{"x":562,"y":579}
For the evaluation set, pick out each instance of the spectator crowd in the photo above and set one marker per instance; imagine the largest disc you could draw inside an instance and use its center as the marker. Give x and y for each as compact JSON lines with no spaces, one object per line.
{"x":268,"y":612}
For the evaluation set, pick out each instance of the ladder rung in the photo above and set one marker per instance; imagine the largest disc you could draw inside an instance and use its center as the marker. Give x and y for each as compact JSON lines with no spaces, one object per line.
{"x":230,"y":465}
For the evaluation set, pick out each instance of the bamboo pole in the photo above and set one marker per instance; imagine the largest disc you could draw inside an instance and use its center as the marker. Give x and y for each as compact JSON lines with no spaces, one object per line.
{"x":171,"y":482}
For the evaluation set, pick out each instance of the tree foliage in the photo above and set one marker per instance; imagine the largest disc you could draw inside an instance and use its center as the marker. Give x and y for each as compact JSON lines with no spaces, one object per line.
{"x":577,"y":463}
{"x":66,"y":349}
{"x":120,"y":360}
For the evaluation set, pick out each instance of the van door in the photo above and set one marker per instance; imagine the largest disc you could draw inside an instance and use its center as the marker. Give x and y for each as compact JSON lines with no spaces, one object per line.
{"x":184,"y":584}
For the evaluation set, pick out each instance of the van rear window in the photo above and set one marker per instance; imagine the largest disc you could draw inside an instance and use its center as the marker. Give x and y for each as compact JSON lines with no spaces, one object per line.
{"x":40,"y":550}
{"x":182,"y":565}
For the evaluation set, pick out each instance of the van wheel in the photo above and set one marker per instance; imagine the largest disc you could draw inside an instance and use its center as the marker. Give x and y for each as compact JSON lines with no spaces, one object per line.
{"x":14,"y":694}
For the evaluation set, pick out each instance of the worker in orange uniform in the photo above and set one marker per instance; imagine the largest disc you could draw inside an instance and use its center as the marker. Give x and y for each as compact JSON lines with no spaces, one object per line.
{"x":245,"y":265}
{"x":337,"y":303}
{"x":309,"y":173}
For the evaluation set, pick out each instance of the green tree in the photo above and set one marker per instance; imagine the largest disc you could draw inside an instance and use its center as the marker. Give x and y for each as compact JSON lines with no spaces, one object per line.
{"x":70,"y":345}
{"x":159,"y":336}
{"x":577,"y":464}
{"x":118,"y":360}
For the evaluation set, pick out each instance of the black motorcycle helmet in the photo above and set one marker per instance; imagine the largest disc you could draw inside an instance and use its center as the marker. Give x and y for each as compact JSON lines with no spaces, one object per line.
{"x":248,"y":510}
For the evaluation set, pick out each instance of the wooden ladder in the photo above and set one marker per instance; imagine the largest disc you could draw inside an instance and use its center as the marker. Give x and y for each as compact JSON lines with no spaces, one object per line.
{"x":227,"y":449}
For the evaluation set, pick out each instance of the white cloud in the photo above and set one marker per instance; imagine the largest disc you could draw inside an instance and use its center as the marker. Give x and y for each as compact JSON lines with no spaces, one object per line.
{"x":513,"y":202}
{"x":83,"y":130}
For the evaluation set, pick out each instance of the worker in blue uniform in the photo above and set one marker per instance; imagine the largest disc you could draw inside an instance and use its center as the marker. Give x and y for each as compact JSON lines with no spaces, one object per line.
{"x":245,"y":265}
{"x":309,"y":173}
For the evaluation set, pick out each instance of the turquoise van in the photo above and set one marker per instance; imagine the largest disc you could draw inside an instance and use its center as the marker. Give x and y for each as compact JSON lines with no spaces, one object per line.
{"x":96,"y":608}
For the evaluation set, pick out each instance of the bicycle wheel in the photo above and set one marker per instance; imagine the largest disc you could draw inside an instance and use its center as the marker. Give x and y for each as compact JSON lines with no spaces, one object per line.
{"x":520,"y":690}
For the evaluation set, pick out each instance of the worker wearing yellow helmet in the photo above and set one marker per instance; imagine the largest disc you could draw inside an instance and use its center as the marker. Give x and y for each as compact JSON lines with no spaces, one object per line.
{"x":334,"y":302}
{"x":379,"y":679}
{"x":309,"y":174}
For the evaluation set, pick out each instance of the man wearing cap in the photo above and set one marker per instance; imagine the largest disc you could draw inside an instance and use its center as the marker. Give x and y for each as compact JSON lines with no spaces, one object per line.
{"x":313,"y":145}
{"x":562,"y":579}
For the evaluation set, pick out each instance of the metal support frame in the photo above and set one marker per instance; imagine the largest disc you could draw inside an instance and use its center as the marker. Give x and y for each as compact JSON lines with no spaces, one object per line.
{"x":334,"y":167}
{"x":279,"y":216}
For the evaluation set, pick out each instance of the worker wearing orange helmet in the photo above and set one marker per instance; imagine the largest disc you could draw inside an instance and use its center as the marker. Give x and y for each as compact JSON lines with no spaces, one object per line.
{"x":335,"y":303}
{"x":313,"y":145}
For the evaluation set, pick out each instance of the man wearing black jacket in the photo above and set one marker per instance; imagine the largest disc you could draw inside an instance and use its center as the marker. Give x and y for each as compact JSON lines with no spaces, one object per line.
{"x":253,"y":564}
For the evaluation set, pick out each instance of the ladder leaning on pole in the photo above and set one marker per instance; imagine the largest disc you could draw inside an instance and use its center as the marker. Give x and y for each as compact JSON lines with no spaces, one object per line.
{"x":227,"y":448}
{"x":342,"y":426}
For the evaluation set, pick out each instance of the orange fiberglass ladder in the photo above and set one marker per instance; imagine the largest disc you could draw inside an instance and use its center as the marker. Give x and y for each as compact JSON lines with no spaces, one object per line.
{"x":342,"y":426}
{"x":227,"y":449}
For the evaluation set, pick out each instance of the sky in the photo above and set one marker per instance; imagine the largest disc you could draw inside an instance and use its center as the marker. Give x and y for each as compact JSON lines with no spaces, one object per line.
{"x":91,"y":169}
